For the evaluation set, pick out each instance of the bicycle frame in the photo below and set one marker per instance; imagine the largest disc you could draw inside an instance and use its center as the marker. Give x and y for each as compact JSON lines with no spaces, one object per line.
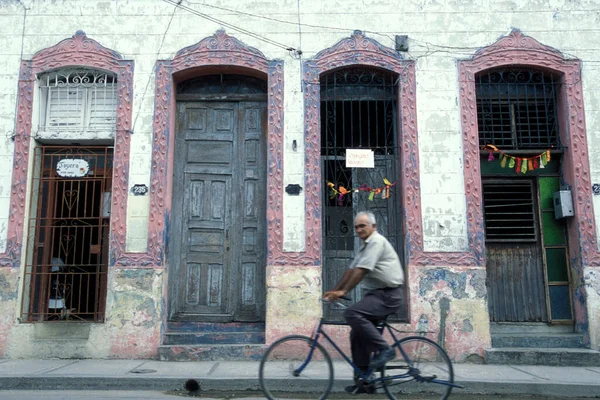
{"x":365,"y":376}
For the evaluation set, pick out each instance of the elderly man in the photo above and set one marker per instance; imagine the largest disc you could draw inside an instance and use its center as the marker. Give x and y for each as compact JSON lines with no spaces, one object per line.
{"x":378,"y":266}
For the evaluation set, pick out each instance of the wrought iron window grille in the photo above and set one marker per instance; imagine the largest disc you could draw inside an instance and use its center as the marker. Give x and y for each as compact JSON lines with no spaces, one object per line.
{"x":517,"y":108}
{"x":78,"y":100}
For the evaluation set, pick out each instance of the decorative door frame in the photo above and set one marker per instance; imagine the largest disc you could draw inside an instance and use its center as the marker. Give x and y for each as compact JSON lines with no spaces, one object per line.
{"x":77,"y":51}
{"x":519,"y":49}
{"x":213,"y":54}
{"x":358,"y":50}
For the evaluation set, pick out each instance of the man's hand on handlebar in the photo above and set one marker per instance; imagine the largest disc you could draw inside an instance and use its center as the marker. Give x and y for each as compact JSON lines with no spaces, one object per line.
{"x":334,"y":295}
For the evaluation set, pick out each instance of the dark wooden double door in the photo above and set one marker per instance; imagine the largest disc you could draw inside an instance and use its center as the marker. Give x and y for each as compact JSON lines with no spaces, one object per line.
{"x":219,"y":212}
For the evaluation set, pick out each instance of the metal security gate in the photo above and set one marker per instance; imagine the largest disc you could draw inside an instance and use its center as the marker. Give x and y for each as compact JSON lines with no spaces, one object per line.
{"x":67,"y":245}
{"x":358,"y":111}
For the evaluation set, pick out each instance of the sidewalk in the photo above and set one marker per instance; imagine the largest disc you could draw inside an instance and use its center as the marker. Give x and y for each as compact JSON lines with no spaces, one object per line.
{"x":559,"y":382}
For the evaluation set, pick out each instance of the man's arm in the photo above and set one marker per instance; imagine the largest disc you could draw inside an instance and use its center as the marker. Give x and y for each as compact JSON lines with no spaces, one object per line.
{"x":349,"y":280}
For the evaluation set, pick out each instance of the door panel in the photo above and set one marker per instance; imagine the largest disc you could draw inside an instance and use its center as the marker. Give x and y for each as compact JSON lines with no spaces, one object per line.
{"x":220,"y":172}
{"x":515,"y":262}
{"x":516,"y":283}
{"x":205,"y":274}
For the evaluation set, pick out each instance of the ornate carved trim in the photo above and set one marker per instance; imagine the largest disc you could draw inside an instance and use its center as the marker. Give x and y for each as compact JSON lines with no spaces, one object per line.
{"x":518,"y":49}
{"x":360,"y":50}
{"x":219,"y":49}
{"x":78,"y":50}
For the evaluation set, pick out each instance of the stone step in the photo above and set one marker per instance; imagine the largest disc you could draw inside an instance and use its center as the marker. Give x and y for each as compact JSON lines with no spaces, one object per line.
{"x":543,"y":356}
{"x":219,"y":352}
{"x":203,"y":327}
{"x":214,"y":338}
{"x":529,"y":327}
{"x":558,"y":340}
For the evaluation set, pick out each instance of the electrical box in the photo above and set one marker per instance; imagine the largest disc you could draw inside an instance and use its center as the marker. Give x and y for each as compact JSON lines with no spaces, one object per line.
{"x":563,"y":204}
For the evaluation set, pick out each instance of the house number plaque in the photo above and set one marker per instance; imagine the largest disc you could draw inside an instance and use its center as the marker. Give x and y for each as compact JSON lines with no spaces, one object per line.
{"x":139,"y":190}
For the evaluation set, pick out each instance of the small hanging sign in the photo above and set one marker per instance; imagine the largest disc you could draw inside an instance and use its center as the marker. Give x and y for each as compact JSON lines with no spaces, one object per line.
{"x":360,"y":158}
{"x":72,"y":168}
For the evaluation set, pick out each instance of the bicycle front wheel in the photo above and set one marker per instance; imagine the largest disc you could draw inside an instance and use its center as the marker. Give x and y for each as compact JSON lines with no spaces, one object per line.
{"x":296,"y":364}
{"x":420,"y":366}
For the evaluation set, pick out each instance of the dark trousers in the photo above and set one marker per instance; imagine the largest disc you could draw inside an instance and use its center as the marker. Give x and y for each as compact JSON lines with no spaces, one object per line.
{"x":362,"y":316}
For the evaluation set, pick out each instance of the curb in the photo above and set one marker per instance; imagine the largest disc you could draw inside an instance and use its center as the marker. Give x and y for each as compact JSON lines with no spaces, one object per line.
{"x":555,"y":390}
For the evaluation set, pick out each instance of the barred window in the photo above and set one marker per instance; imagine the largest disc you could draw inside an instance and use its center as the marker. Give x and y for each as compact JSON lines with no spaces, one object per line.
{"x":516,"y":108}
{"x":78,"y":100}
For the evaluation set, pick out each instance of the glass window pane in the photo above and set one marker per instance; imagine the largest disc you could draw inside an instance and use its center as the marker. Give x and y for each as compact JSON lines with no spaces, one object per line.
{"x":554,"y":230}
{"x":548,"y":185}
{"x":560,"y":305}
{"x":556,"y":260}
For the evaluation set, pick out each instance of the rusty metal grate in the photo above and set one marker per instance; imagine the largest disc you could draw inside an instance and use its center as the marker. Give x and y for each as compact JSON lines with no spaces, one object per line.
{"x":358,"y":111}
{"x":67,"y":245}
{"x":516,"y":108}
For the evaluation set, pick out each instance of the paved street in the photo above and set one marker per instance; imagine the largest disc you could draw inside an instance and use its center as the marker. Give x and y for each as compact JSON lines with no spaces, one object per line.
{"x":155,"y":395}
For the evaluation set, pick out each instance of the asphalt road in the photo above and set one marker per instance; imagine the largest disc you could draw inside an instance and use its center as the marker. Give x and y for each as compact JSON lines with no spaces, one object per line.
{"x":153,"y":395}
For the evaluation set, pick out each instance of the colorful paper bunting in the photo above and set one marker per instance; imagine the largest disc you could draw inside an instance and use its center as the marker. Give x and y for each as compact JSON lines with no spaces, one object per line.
{"x":341,"y":191}
{"x":520,"y":164}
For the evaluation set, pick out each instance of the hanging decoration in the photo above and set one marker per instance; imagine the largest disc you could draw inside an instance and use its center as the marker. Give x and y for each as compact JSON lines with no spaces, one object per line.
{"x":341,"y":191}
{"x":520,"y":164}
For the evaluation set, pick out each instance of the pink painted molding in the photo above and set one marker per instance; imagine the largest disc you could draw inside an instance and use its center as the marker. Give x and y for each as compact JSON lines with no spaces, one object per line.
{"x":80,"y":51}
{"x":219,"y":50}
{"x":360,"y":50}
{"x":518,"y":49}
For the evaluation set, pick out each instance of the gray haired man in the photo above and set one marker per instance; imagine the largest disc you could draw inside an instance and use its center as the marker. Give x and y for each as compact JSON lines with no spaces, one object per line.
{"x":378,"y":267}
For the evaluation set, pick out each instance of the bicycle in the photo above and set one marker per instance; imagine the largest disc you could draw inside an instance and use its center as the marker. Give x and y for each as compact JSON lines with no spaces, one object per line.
{"x":298,"y":362}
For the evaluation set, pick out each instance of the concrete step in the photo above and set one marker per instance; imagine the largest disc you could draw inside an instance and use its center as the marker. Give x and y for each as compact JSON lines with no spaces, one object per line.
{"x":203,"y":327}
{"x":543,"y":356}
{"x":529,"y":327}
{"x":558,"y":340}
{"x":214,"y":338}
{"x":219,"y":352}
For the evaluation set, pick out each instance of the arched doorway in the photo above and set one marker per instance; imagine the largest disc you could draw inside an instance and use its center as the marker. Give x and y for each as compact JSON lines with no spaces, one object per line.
{"x":358,"y":111}
{"x":218,"y":219}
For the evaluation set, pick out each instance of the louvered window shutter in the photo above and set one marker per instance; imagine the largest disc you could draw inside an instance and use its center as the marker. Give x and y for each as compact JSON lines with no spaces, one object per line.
{"x":80,"y":100}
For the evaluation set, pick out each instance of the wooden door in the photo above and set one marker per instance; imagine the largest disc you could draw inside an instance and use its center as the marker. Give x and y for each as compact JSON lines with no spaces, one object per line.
{"x":514,"y":261}
{"x":218,"y":241}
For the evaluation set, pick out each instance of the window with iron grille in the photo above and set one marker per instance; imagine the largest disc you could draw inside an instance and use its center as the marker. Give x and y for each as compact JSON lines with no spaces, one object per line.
{"x":66,"y":268}
{"x":78,"y":100}
{"x":517,"y":108}
{"x":509,"y":211}
{"x":358,"y":111}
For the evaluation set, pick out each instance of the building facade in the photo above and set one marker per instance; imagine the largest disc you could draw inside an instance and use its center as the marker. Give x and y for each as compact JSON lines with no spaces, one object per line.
{"x":177,"y":175}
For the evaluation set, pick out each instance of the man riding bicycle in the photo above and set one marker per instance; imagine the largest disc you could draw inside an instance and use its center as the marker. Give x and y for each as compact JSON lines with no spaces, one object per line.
{"x":378,"y":267}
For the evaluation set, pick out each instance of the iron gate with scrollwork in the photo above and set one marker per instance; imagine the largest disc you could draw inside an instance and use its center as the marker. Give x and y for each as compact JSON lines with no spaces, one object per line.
{"x":68,"y":236}
{"x":358,"y":111}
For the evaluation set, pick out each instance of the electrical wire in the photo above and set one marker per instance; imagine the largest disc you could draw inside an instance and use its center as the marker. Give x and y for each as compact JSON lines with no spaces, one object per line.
{"x":162,"y":42}
{"x":231,"y":26}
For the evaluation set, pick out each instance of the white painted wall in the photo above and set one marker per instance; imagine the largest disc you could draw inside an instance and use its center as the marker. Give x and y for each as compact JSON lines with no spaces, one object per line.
{"x":440,"y":32}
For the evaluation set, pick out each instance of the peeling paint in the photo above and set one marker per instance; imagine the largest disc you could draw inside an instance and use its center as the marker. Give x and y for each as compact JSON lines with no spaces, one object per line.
{"x":8,"y":292}
{"x":468,"y":327}
{"x":457,"y":281}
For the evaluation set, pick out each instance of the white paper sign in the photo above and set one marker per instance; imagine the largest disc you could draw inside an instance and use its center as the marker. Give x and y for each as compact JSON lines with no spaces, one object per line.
{"x":360,"y":158}
{"x":71,"y":167}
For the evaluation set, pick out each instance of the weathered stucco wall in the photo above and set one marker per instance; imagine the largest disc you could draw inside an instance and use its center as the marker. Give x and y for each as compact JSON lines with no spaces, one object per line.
{"x":449,"y":304}
{"x":8,"y":306}
{"x":439,"y":34}
{"x":131,"y":329}
{"x":449,"y":301}
{"x":592,"y":287}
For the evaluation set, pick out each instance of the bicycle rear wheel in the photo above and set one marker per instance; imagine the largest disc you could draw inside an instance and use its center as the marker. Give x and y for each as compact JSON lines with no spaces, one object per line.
{"x":280,"y":371}
{"x":426,"y":368}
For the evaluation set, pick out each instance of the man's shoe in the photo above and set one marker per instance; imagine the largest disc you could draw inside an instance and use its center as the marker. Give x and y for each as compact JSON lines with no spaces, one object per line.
{"x":360,"y":389}
{"x":383,"y":357}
